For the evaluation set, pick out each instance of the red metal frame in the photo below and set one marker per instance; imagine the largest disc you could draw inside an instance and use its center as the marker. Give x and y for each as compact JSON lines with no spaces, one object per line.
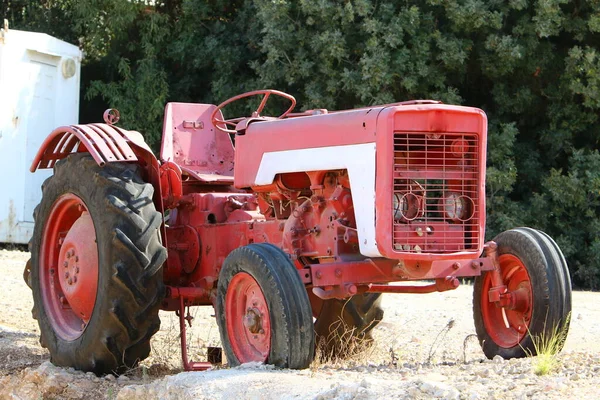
{"x":422,"y":147}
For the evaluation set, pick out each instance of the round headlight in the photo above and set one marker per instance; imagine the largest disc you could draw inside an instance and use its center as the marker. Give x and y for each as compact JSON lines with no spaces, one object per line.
{"x":407,"y":206}
{"x":457,"y":207}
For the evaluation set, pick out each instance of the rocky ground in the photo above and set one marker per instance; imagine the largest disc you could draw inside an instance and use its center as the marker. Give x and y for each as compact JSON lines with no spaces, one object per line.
{"x":425,"y":348}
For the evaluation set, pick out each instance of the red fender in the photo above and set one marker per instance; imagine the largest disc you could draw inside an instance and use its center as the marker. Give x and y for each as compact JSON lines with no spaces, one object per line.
{"x":105,"y":143}
{"x":108,"y":143}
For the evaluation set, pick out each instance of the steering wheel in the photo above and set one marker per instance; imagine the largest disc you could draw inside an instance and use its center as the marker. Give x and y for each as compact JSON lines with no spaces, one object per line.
{"x":234,"y":121}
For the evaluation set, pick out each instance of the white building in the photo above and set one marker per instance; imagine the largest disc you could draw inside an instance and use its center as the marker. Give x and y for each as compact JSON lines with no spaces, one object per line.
{"x":39,"y":91}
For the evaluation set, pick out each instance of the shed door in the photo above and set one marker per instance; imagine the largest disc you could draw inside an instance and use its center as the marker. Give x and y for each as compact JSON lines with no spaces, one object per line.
{"x":40,"y":122}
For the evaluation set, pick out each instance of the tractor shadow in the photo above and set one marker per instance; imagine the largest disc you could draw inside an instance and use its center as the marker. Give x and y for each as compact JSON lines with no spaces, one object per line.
{"x":19,"y":350}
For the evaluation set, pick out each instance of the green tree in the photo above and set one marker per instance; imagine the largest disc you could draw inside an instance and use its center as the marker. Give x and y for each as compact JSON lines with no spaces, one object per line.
{"x":532,"y":66}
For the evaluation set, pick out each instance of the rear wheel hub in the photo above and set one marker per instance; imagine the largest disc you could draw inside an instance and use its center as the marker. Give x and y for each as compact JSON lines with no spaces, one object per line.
{"x":78,"y":274}
{"x":69,"y":266}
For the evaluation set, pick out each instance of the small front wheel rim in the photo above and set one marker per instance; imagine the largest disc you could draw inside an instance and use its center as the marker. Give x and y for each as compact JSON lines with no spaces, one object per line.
{"x":247,"y":319}
{"x":68,"y":267}
{"x":508,"y":326}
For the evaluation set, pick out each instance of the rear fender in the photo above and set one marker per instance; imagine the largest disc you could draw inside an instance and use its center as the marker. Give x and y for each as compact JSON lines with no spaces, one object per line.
{"x":105,"y":143}
{"x":108,"y":143}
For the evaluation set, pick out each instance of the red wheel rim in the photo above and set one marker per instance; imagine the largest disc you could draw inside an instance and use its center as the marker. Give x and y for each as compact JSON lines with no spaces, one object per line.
{"x":507,"y":326}
{"x":248,"y":321}
{"x":68,"y":266}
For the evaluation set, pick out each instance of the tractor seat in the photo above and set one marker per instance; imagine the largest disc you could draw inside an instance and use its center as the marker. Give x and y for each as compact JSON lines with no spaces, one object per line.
{"x":191,"y":141}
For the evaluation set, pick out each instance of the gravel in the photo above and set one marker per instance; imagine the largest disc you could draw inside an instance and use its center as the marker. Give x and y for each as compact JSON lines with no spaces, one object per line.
{"x":424,"y":349}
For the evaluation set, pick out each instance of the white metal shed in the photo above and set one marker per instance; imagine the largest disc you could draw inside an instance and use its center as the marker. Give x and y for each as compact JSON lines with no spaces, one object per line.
{"x":39,"y":91}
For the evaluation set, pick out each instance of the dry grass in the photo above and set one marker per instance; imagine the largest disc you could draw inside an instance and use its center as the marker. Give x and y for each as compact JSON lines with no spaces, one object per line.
{"x":352,"y":349}
{"x":439,"y":339}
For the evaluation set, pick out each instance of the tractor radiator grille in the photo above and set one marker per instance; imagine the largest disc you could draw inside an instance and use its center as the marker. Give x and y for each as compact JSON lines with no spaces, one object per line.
{"x":435,"y":200}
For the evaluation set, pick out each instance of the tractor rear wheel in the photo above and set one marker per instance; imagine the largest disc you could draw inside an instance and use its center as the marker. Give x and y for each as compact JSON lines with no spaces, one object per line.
{"x":343,"y":327}
{"x":262,"y":309}
{"x":535,"y":272}
{"x":96,"y":262}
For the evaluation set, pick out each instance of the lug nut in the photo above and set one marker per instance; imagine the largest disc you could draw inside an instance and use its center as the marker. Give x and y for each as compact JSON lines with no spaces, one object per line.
{"x":77,"y":270}
{"x":65,"y":264}
{"x":70,"y":281}
{"x":75,"y":279}
{"x":67,"y":275}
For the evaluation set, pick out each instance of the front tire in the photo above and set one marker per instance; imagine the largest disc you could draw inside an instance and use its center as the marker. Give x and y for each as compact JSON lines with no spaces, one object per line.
{"x":96,"y":263}
{"x":535,"y":271}
{"x":262,"y":309}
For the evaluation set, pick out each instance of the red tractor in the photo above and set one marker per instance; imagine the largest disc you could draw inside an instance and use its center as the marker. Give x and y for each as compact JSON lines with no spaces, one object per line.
{"x":304,"y":224}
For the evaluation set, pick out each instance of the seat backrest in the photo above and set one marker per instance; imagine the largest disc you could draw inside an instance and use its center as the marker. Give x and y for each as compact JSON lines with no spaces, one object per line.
{"x":191,"y":140}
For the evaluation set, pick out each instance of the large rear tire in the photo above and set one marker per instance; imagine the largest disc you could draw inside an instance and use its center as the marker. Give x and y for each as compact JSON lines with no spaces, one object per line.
{"x":344,"y":327}
{"x":262,"y":309}
{"x":96,"y":265}
{"x":534,"y":269}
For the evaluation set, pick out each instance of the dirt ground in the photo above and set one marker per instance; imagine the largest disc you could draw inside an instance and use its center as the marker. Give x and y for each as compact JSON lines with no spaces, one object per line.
{"x":424,"y":340}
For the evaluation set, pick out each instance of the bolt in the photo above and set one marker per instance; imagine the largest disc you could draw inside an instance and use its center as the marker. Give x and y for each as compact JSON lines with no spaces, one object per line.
{"x":318,"y":274}
{"x":75,"y":279}
{"x":65,"y":264}
{"x":67,"y":275}
{"x":77,"y":270}
{"x":456,"y":265}
{"x":70,"y":281}
{"x":338,"y":272}
{"x":419,"y":231}
{"x":474,"y":265}
{"x":262,"y":331}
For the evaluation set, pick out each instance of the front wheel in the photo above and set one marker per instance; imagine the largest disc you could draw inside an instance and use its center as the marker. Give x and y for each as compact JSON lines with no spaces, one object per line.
{"x":535,"y":273}
{"x":262,"y":309}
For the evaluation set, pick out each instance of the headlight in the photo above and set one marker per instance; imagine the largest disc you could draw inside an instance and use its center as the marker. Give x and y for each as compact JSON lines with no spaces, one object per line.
{"x":407,"y":206}
{"x":457,"y":208}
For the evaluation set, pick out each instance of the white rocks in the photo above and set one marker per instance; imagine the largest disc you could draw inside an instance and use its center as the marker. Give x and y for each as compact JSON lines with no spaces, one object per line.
{"x":439,"y":390}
